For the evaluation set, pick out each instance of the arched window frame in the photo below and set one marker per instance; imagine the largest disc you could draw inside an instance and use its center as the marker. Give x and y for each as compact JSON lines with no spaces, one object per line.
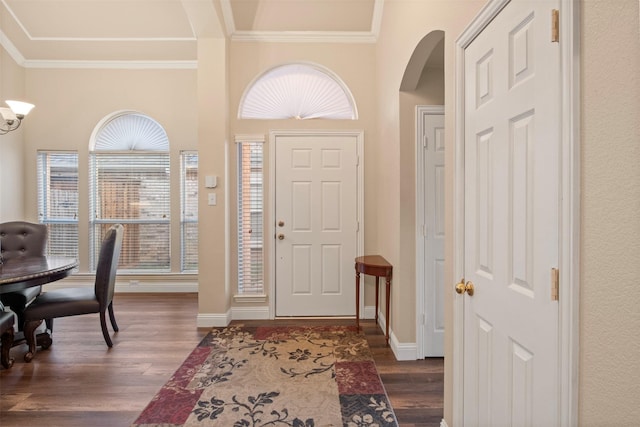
{"x":129,"y":168}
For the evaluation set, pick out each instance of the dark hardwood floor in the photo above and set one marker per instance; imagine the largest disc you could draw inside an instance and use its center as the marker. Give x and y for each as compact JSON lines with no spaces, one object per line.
{"x":80,"y":382}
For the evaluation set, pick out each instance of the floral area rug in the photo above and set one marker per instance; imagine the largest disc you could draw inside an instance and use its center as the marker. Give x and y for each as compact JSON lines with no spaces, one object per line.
{"x":274,"y":376}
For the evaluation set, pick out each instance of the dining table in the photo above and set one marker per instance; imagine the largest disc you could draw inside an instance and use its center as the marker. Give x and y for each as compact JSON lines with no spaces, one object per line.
{"x":21,"y":273}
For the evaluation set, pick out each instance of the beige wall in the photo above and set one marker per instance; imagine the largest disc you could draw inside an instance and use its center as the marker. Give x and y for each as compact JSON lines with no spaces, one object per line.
{"x":71,"y":102}
{"x":12,"y":86}
{"x":214,"y":292}
{"x":198,"y":109}
{"x":610,"y":234}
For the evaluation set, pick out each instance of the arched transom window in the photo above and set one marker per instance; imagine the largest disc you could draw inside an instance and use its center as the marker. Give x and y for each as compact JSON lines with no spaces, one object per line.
{"x":298,"y":91}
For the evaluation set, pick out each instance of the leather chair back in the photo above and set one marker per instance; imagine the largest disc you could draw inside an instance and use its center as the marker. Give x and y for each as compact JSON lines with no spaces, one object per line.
{"x":20,"y":239}
{"x":108,"y":265}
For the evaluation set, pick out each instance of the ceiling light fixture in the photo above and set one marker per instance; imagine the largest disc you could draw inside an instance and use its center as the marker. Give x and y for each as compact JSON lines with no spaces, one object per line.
{"x":12,"y":116}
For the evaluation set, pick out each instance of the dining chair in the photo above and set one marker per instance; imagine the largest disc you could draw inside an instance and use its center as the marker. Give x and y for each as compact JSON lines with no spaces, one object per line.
{"x":77,"y":301}
{"x":21,"y":239}
{"x":6,"y":337}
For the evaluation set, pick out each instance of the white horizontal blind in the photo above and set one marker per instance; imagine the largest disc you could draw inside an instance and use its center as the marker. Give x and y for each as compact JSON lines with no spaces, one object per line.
{"x":58,"y":201}
{"x":250,"y":218}
{"x":189,"y":209}
{"x":132,"y":188}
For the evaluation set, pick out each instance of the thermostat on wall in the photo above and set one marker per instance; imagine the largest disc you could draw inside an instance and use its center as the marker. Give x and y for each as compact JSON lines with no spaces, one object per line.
{"x":210,"y":181}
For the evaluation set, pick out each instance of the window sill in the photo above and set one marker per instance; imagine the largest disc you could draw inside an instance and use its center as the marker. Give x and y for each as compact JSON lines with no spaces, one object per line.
{"x":124,"y":277}
{"x":250,"y":298}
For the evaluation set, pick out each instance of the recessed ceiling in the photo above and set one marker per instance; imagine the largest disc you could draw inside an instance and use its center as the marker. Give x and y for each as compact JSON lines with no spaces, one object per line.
{"x":50,"y":33}
{"x":291,"y":15}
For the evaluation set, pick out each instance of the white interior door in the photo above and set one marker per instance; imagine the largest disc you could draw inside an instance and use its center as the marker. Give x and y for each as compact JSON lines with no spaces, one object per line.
{"x":511,"y":164}
{"x":431,"y":137}
{"x":316,"y":224}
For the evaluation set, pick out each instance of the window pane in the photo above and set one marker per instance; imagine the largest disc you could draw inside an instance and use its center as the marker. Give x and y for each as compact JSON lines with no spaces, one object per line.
{"x":190,"y":246}
{"x":145,"y":247}
{"x":58,"y":201}
{"x":250,"y":218}
{"x":189,"y":219}
{"x":132,"y":188}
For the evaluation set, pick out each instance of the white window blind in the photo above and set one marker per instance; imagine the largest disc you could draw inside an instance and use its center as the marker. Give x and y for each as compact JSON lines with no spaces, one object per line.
{"x":132,"y":188}
{"x":58,"y":201}
{"x":250,"y":218}
{"x":189,"y":209}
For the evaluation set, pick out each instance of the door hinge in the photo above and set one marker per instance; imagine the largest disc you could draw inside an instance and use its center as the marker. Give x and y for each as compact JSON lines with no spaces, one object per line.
{"x":555,"y":284}
{"x":555,"y":25}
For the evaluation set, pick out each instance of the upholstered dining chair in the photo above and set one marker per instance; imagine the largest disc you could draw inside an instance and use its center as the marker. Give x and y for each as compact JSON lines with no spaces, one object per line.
{"x":6,"y":335}
{"x":20,"y":239}
{"x":77,"y":301}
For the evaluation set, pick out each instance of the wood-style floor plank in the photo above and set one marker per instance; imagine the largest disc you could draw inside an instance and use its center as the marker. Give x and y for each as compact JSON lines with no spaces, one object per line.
{"x":80,"y":382}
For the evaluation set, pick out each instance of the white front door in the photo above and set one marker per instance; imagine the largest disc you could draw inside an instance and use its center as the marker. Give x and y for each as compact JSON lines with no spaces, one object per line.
{"x":511,"y":167}
{"x":316,"y":224}
{"x":431,"y":220}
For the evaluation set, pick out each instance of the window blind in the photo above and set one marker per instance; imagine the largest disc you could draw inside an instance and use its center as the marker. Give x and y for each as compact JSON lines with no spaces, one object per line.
{"x":189,"y":210}
{"x":133,"y":189}
{"x":250,"y":218}
{"x":58,"y":201}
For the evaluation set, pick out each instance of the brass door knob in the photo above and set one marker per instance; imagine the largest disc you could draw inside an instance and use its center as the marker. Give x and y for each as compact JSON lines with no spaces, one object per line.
{"x":461,"y":287}
{"x":280,"y":236}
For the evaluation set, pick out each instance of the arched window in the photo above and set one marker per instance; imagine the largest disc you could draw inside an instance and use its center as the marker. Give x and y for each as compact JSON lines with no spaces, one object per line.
{"x":130,"y":184}
{"x":298,"y":91}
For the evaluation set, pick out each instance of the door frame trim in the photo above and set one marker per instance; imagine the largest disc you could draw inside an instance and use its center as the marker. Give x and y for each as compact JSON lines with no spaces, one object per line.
{"x":271,"y":230}
{"x":420,"y":221}
{"x":569,"y":220}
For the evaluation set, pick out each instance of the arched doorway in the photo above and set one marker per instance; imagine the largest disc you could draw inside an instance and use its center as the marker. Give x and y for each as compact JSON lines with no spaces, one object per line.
{"x":422,"y":105}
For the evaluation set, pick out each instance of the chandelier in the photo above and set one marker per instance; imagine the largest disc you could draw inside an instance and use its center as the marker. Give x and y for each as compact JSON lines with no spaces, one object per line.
{"x":10,"y":118}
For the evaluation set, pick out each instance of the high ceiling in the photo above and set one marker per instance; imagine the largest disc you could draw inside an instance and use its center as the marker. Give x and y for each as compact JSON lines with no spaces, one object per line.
{"x":50,"y":33}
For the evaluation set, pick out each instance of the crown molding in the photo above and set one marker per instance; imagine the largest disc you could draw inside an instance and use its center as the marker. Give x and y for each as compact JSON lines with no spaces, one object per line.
{"x":305,"y":36}
{"x":11,"y":49}
{"x":227,"y":16}
{"x":114,"y":65}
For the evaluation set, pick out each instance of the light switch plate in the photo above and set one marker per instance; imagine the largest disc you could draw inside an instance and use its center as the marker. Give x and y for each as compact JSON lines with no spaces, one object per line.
{"x":213,"y":200}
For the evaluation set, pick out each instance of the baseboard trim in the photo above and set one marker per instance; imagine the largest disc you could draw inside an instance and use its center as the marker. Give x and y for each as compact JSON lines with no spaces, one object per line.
{"x":443,"y":423}
{"x":250,"y":313}
{"x":369,"y":312}
{"x":213,"y":320}
{"x":402,"y":351}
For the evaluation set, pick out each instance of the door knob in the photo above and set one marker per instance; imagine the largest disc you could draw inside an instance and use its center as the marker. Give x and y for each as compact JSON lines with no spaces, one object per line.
{"x":461,"y":287}
{"x":280,"y":236}
{"x":280,"y":223}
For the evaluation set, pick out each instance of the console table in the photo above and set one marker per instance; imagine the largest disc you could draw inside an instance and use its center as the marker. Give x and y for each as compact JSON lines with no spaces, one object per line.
{"x":374,"y":265}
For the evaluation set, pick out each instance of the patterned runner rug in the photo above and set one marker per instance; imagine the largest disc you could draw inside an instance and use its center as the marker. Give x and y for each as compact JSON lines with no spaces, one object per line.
{"x":274,"y":376}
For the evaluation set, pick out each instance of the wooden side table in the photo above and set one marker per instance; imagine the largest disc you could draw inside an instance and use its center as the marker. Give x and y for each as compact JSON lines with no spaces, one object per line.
{"x":374,"y":265}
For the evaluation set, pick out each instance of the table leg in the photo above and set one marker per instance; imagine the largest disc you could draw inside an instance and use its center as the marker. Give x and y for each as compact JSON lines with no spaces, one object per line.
{"x":387,"y":310}
{"x":358,"y":300}
{"x":30,"y":336}
{"x":377,"y":298}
